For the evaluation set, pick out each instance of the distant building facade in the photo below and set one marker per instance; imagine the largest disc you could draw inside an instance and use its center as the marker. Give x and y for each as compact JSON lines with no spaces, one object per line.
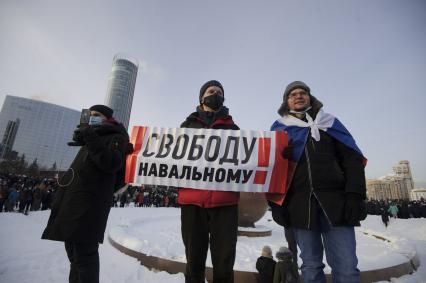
{"x":38,"y":130}
{"x":395,"y":186}
{"x":418,"y":194}
{"x":403,"y":171}
{"x":121,"y":88}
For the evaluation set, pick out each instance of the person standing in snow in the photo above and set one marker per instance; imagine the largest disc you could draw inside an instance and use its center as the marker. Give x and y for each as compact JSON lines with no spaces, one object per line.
{"x":285,"y":269}
{"x":265,"y":265}
{"x":82,"y":203}
{"x":326,"y":186}
{"x":209,"y":216}
{"x":393,"y":210}
{"x":385,"y":217}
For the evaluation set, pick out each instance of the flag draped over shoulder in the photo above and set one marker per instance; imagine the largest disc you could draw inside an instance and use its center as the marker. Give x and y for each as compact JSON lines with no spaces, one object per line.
{"x":298,"y":131}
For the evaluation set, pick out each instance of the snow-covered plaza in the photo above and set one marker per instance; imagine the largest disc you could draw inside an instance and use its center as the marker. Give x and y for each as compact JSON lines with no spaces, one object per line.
{"x":24,"y":257}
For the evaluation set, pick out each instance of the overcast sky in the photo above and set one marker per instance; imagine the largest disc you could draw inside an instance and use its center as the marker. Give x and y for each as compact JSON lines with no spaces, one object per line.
{"x":365,"y":60}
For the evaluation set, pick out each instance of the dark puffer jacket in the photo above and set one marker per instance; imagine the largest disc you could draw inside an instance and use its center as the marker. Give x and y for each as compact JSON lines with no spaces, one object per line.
{"x":205,"y":198}
{"x":82,"y":203}
{"x":265,"y":266}
{"x":334,"y":170}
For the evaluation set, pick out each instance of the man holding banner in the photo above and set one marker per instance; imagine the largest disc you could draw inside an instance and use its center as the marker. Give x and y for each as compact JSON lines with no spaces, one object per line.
{"x":210,"y":161}
{"x":209,"y":215}
{"x":326,"y":186}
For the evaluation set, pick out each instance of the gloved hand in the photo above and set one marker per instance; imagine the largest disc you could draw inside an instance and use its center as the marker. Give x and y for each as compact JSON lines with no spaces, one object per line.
{"x":287,"y":152}
{"x":280,"y":214}
{"x":87,"y":133}
{"x":355,"y":209}
{"x":77,"y":135}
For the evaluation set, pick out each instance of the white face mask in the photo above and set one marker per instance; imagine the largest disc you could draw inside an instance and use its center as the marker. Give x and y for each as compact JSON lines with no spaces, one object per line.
{"x":95,"y":121}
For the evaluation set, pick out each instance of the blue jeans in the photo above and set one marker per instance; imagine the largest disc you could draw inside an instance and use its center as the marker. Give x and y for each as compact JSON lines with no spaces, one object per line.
{"x":340,"y":250}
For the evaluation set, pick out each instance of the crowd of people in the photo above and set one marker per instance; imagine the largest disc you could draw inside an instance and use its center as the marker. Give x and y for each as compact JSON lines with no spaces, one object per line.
{"x":20,"y":193}
{"x":23,"y":193}
{"x":147,"y":196}
{"x":403,"y":209}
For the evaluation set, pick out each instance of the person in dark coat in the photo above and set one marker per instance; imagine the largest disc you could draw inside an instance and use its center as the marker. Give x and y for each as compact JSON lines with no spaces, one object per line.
{"x":265,"y":265}
{"x":82,"y":203}
{"x":326,"y":186}
{"x":209,"y":216}
{"x":385,"y":217}
{"x":285,"y":269}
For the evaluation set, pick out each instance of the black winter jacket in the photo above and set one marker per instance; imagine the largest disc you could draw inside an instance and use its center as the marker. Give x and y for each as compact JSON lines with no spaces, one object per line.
{"x":325,"y":173}
{"x":83,"y":201}
{"x":265,"y":266}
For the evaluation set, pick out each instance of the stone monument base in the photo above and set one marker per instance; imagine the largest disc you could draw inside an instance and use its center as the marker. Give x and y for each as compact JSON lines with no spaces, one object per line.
{"x":259,"y":231}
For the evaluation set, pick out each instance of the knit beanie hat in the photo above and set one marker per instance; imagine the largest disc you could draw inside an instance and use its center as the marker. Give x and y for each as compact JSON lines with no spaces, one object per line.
{"x":209,"y":84}
{"x":290,"y":87}
{"x":266,"y":251}
{"x":296,"y":84}
{"x":315,"y":103}
{"x":104,"y":110}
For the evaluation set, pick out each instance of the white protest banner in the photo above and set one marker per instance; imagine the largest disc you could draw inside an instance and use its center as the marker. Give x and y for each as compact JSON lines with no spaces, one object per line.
{"x":208,"y":159}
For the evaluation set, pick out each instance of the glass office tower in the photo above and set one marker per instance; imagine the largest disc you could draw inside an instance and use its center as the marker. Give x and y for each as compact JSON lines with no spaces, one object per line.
{"x":121,"y":87}
{"x":40,"y":130}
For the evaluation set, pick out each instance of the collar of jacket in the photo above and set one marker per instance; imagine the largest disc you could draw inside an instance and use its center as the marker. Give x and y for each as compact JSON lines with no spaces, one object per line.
{"x":221,"y":121}
{"x":107,"y":129}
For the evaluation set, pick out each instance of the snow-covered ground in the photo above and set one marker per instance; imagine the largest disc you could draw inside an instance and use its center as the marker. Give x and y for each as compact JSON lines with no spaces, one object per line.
{"x":156,"y":231}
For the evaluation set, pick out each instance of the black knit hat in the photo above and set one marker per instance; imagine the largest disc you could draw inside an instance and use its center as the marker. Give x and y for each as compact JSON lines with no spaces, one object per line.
{"x":209,"y":84}
{"x":104,"y":110}
{"x":290,"y":87}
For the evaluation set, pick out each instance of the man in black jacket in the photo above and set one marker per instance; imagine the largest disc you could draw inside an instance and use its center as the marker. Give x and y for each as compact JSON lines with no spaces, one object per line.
{"x":209,"y":217}
{"x":326,"y":191}
{"x":82,"y":203}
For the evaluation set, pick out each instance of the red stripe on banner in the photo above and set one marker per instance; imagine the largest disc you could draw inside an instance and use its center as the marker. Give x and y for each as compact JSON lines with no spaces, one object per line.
{"x":263,"y":152}
{"x":260,"y":177}
{"x":280,"y":170}
{"x":138,"y":134}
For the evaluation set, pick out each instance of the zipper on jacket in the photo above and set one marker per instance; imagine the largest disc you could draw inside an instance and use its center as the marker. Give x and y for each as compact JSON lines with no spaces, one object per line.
{"x":310,"y":185}
{"x":313,"y":143}
{"x":312,"y":191}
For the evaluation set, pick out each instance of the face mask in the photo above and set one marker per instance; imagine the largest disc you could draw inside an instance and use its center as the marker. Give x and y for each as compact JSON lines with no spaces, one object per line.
{"x":214,"y":101}
{"x":95,"y":121}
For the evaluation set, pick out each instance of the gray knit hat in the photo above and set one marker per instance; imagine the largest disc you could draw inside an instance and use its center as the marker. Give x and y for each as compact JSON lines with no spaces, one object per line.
{"x":315,"y":103}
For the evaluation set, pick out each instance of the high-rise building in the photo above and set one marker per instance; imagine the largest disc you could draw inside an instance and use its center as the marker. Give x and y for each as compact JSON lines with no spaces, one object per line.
{"x":38,"y":130}
{"x":9,"y":139}
{"x":403,"y":170}
{"x":121,"y":87}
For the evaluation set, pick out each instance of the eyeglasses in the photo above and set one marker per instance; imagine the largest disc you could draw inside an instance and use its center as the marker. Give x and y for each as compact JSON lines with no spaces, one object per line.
{"x":295,"y":94}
